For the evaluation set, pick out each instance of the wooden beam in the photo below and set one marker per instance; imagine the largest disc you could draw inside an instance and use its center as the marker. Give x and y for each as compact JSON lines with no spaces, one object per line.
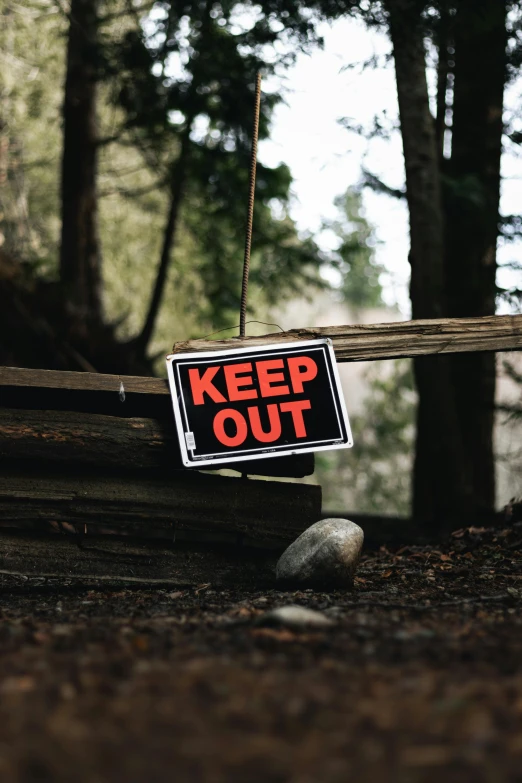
{"x":391,"y":340}
{"x":81,"y":381}
{"x":34,"y":389}
{"x":86,"y":439}
{"x":33,"y":561}
{"x":274,"y":511}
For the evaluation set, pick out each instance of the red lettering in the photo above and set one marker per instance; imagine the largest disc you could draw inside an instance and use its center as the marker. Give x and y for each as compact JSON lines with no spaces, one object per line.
{"x":201,"y":384}
{"x":266,"y":379}
{"x":234,"y":383}
{"x":219,"y":428}
{"x":296,"y":409}
{"x":255,"y":424}
{"x":302,"y":369}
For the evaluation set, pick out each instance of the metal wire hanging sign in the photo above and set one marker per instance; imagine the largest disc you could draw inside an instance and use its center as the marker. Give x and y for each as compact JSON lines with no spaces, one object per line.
{"x":293,"y":403}
{"x":250,"y":210}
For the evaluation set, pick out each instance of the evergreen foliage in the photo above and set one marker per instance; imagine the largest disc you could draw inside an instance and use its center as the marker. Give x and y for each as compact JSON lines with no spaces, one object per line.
{"x":355,"y":256}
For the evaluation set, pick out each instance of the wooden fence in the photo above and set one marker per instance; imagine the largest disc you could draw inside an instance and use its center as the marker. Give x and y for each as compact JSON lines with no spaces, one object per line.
{"x":74,"y":457}
{"x":393,"y":340}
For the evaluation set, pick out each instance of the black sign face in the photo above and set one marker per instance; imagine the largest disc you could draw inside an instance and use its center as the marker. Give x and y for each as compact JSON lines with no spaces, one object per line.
{"x":250,"y":403}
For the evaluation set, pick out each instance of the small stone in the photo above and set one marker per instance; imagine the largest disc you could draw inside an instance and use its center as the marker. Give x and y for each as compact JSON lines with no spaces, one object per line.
{"x":295,"y":617}
{"x":325,"y":554}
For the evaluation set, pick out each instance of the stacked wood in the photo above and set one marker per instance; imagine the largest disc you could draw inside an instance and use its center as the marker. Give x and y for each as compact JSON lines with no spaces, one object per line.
{"x":271,"y":512}
{"x":99,"y":453}
{"x":91,"y":453}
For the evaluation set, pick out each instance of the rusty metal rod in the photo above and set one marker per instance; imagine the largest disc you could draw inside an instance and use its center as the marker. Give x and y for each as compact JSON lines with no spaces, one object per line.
{"x":250,"y":211}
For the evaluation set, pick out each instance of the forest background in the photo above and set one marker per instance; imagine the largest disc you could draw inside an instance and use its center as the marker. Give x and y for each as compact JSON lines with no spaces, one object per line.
{"x":125,"y":131}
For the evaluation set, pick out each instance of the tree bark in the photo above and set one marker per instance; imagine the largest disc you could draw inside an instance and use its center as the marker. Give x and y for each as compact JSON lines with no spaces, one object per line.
{"x":444,"y":69}
{"x":137,"y":445}
{"x":441,"y":481}
{"x":472,"y":215}
{"x":80,"y":259}
{"x":275,"y":511}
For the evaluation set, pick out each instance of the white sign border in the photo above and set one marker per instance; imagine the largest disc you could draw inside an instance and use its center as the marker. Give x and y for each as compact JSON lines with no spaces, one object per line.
{"x":174,"y":392}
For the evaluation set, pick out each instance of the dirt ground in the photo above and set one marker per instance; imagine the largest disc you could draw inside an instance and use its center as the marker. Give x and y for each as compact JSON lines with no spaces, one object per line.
{"x":420,"y":678}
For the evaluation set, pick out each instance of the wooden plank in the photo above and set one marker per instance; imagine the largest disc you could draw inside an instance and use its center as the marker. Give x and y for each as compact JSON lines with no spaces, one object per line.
{"x":270,"y":510}
{"x":82,"y":381}
{"x":33,"y":561}
{"x":391,"y":340}
{"x":108,"y":403}
{"x":68,"y":437}
{"x":351,"y":343}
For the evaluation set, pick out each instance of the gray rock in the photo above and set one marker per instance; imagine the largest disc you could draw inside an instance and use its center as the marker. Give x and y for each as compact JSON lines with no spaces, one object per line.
{"x":325,"y":554}
{"x":295,"y":617}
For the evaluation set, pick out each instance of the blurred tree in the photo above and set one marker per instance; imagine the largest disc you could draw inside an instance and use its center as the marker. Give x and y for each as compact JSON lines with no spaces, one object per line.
{"x":442,"y":485}
{"x":125,"y":118}
{"x":471,"y":208}
{"x":375,"y":476}
{"x":80,"y":253}
{"x":452,"y":163}
{"x":187,"y":87}
{"x":355,"y":256}
{"x":453,"y":193}
{"x":20,"y":92}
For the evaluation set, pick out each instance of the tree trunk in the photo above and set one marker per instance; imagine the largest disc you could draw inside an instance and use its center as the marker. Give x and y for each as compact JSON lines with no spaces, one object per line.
{"x":80,"y":261}
{"x":472,"y":213}
{"x":177,"y":189}
{"x":441,"y":484}
{"x":177,"y":192}
{"x":444,"y":72}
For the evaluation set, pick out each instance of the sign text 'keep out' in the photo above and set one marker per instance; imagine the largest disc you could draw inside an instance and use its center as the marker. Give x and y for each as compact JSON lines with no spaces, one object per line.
{"x":257,"y":402}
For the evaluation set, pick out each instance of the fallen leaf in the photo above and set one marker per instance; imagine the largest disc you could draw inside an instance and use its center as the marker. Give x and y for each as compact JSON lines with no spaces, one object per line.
{"x":282,"y":635}
{"x":140,"y":643}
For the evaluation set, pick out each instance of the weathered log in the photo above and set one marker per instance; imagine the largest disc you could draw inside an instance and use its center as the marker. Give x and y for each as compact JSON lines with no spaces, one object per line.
{"x":86,"y":392}
{"x":112,"y":442}
{"x":82,"y":381}
{"x":35,"y":561}
{"x":391,"y":340}
{"x":269,"y":510}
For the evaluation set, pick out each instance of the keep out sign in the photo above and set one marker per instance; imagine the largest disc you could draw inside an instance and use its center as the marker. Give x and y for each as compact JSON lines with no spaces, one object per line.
{"x":250,"y":403}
